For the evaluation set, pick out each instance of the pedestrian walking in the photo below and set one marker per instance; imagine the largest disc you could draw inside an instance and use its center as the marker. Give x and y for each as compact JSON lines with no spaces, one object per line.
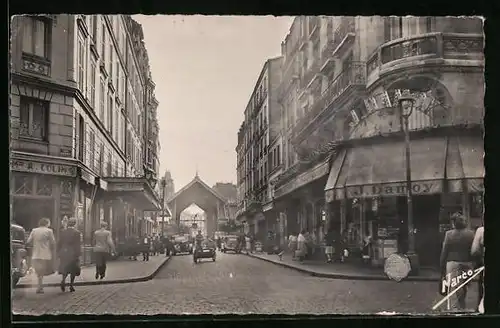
{"x":43,"y":245}
{"x":146,"y":245}
{"x":292,"y":243}
{"x":477,"y":251}
{"x":301,"y":251}
{"x":64,"y":223}
{"x":456,"y":257}
{"x":248,"y":243}
{"x":68,"y":250}
{"x":103,"y":248}
{"x":329,"y":241}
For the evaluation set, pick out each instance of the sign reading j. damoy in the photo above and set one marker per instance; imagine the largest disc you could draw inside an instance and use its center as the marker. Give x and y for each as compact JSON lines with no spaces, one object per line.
{"x":394,"y":189}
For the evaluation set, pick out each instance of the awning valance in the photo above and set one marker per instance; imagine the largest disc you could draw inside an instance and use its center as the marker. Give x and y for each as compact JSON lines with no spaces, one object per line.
{"x":134,"y":190}
{"x":315,"y":173}
{"x":380,"y":170}
{"x":465,"y":164}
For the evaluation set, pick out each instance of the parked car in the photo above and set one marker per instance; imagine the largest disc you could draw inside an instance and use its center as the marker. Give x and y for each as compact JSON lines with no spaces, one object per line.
{"x":182,"y":244}
{"x":19,"y":254}
{"x":231,"y":244}
{"x":206,"y":251}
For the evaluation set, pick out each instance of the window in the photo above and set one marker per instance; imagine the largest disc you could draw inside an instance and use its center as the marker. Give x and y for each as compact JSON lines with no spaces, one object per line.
{"x":81,"y":64}
{"x":92,"y":82}
{"x":102,"y":100}
{"x":80,"y":134}
{"x":111,"y":62}
{"x":93,"y":28}
{"x":101,"y":160}
{"x":278,"y":155}
{"x":34,"y":118}
{"x":108,"y":164}
{"x":118,"y":91}
{"x":103,"y":42}
{"x":110,"y":113}
{"x":36,"y":37}
{"x":91,"y":144}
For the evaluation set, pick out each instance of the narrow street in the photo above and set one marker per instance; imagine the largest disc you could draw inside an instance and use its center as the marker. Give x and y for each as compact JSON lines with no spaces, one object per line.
{"x":234,"y":284}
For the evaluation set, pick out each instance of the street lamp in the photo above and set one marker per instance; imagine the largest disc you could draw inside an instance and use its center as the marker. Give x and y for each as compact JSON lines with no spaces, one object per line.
{"x":406,"y":104}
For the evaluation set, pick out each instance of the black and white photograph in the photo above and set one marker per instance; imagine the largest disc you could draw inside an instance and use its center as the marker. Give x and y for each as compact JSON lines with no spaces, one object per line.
{"x":197,"y":164}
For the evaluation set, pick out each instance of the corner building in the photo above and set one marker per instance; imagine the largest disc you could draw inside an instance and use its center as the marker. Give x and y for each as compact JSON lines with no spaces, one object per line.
{"x":78,"y":124}
{"x":344,"y":151}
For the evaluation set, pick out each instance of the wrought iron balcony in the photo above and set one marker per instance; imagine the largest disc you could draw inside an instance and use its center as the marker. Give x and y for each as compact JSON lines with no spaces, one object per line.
{"x":344,"y":35}
{"x":424,"y":49}
{"x":353,"y":75}
{"x":314,"y":26}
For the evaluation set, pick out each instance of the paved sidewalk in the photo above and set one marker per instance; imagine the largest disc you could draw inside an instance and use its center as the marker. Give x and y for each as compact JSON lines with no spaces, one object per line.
{"x":347,"y":271}
{"x":118,"y":271}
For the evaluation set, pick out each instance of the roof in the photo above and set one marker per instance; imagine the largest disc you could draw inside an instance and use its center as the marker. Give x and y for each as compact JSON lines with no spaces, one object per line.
{"x":227,"y":190}
{"x":195,"y":180}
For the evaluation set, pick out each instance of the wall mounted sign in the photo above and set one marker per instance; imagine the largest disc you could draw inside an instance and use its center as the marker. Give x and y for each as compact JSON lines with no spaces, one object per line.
{"x":87,"y":177}
{"x":42,"y":168}
{"x":394,"y":189}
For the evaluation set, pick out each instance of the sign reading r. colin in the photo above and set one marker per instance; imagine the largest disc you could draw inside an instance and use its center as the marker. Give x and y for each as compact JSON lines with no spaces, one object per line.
{"x":395,"y":189}
{"x":42,"y":168}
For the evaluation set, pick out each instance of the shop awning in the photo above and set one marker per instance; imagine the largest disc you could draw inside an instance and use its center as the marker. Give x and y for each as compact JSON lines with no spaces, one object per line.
{"x":136,"y":191}
{"x":465,"y":164}
{"x":334,"y":176}
{"x":380,"y":170}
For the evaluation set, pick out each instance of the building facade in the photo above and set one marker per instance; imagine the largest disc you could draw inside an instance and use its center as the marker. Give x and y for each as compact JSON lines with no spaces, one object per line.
{"x":255,"y":136}
{"x":344,"y":158}
{"x":79,"y":89}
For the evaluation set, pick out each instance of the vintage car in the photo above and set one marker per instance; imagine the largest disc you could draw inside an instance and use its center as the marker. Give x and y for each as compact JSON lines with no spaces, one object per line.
{"x":19,"y":254}
{"x":182,"y":244}
{"x":205,"y":251}
{"x":231,"y":244}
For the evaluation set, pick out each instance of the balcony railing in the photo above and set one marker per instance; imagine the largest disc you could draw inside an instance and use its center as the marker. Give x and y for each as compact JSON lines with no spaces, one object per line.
{"x":314,"y":25}
{"x":353,"y":75}
{"x":328,"y":48}
{"x":424,"y":45}
{"x":36,"y":64}
{"x":344,"y":33}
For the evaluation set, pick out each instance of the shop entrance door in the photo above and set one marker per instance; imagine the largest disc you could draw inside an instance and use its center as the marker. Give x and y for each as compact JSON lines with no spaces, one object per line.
{"x":27,"y":211}
{"x":426,"y":222}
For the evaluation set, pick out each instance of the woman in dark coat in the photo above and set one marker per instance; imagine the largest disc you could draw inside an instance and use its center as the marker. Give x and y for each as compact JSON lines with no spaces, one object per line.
{"x":68,"y":249}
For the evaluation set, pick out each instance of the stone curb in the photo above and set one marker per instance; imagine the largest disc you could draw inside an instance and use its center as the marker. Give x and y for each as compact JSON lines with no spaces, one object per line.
{"x":106,"y":282}
{"x":341,"y":275}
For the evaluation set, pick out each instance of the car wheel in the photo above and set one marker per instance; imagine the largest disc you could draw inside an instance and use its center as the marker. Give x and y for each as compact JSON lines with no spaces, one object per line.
{"x":213,"y":259}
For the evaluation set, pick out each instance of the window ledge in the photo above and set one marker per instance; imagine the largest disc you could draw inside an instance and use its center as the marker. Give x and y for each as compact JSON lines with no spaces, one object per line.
{"x":93,"y":50}
{"x":103,"y":69}
{"x":33,"y":140}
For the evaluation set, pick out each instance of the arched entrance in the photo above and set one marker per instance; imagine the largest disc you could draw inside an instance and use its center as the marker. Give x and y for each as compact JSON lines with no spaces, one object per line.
{"x":199,"y":193}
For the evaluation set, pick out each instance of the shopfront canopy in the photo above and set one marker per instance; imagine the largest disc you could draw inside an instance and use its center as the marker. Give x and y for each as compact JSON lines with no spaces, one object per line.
{"x":136,"y":191}
{"x":380,"y":169}
{"x":465,"y":164}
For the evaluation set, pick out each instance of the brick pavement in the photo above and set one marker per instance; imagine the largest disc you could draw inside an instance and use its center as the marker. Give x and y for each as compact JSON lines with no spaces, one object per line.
{"x":118,"y":271}
{"x":341,"y":270}
{"x":236,"y":284}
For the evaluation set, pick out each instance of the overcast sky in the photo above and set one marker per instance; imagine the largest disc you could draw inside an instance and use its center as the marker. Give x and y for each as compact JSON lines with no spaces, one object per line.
{"x":205,"y":68}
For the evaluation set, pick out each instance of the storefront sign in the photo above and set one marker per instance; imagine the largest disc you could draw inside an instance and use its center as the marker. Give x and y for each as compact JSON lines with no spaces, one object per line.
{"x":42,"y":168}
{"x":87,"y":177}
{"x":394,"y":189}
{"x":126,"y":187}
{"x":103,"y":184}
{"x":304,"y":178}
{"x":66,"y":199}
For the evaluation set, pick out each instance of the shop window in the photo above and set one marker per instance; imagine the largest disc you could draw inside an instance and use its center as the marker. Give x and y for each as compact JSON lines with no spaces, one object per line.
{"x":34,"y":118}
{"x":44,"y":186}
{"x":23,"y":185}
{"x":36,"y":36}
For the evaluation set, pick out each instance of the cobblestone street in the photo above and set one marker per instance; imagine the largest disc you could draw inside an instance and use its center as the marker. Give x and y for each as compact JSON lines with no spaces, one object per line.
{"x":234,"y":284}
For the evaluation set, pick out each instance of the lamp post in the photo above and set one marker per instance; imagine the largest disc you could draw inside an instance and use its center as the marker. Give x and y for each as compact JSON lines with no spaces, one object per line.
{"x":406,"y":103}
